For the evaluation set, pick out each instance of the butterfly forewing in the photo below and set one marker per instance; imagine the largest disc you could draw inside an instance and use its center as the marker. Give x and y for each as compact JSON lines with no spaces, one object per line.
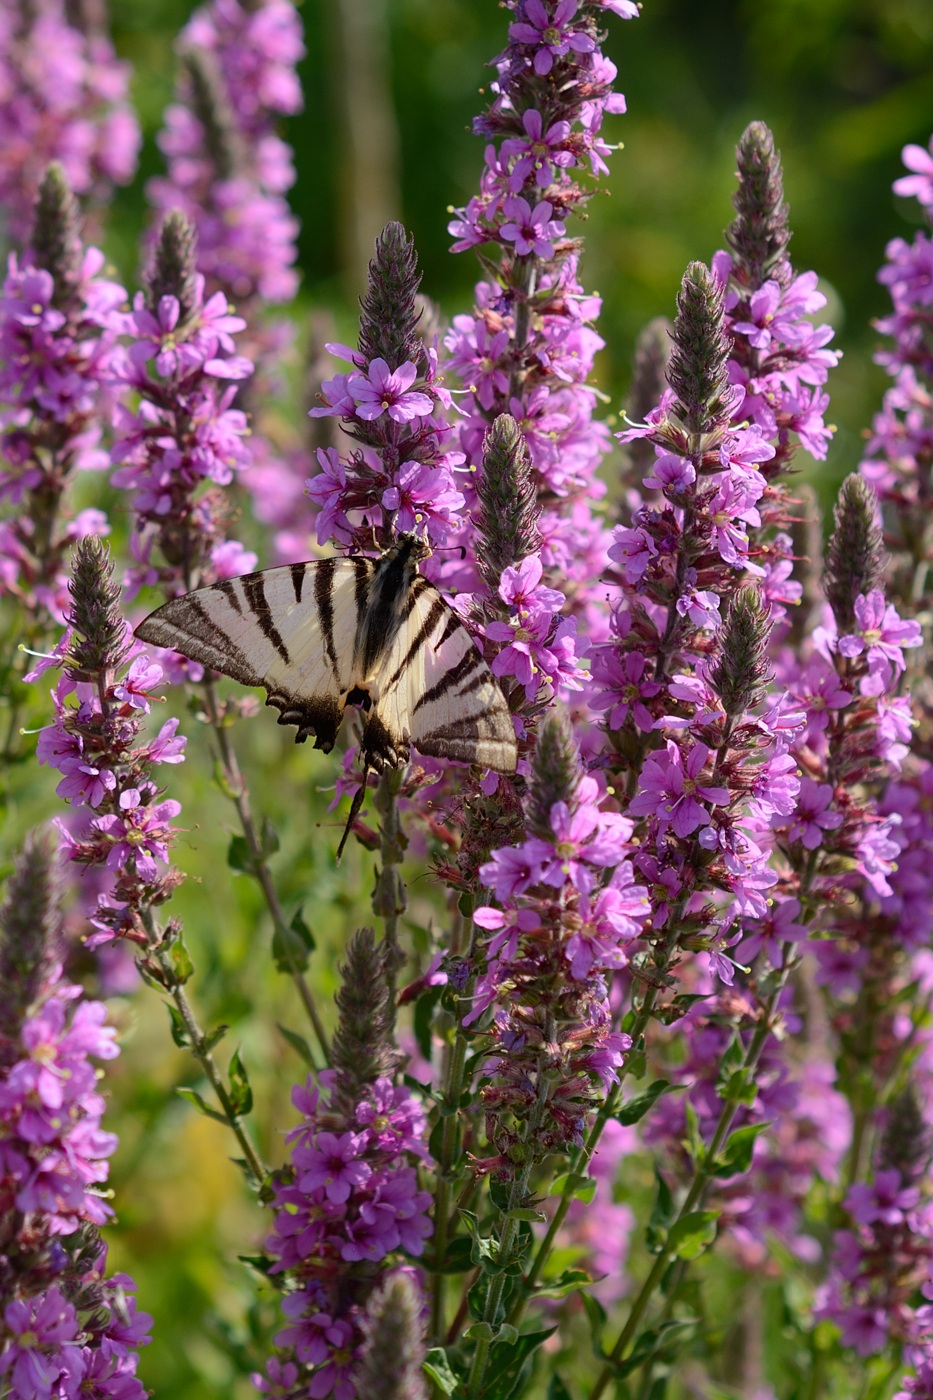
{"x":290,"y":630}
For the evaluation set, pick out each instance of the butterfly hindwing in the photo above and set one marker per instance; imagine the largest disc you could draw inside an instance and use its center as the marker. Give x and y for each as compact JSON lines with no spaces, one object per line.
{"x":290,"y":630}
{"x":436,"y":691}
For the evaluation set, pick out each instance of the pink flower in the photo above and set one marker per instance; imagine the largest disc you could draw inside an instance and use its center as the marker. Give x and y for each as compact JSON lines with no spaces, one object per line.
{"x":531,"y":230}
{"x":382,"y":390}
{"x":813,"y":817}
{"x":920,"y":183}
{"x":670,"y":790}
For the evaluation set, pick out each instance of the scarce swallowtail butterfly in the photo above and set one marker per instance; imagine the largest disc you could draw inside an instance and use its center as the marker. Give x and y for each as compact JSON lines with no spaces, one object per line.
{"x":369,"y":633}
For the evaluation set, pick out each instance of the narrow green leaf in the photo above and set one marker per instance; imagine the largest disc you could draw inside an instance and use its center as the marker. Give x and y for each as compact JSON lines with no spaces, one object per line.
{"x":662,"y":1213}
{"x":214,"y":1037}
{"x":580,"y":1188}
{"x":525,"y":1213}
{"x":194,"y":1098}
{"x":696,"y":1147}
{"x":690,"y":1236}
{"x":179,"y":1030}
{"x":269,"y":841}
{"x":239,"y":857}
{"x":636,"y":1108}
{"x":570,"y":1281}
{"x":297,"y":1042}
{"x":241,"y":1095}
{"x":736,"y":1156}
{"x":596,"y":1316}
{"x":508,"y":1363}
{"x":299,"y":927}
{"x":437,"y":1368}
{"x":557,"y":1390}
{"x":291,"y":946}
{"x":181,"y":961}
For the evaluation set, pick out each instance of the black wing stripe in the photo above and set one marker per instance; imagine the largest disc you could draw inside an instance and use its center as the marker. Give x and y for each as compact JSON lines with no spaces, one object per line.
{"x":324,"y":598}
{"x":255,"y":589}
{"x":435,"y":612}
{"x":219,"y":652}
{"x":364,"y":573}
{"x":469,"y":662}
{"x":228,"y":588}
{"x":299,"y":572}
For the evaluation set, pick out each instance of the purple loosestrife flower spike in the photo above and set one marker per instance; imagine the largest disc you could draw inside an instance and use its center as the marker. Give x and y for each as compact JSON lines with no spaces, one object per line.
{"x":389,"y":312}
{"x":907,"y":1141}
{"x":855,"y":557}
{"x":697,"y":371}
{"x":759,"y":234}
{"x":555,"y":774}
{"x":649,"y":378}
{"x":99,"y":645}
{"x":173,"y":269}
{"x":212,"y":109}
{"x":508,"y":513}
{"x":389,"y":1367}
{"x":55,"y":241}
{"x":30,"y":931}
{"x":363,"y":1049}
{"x":740,"y":673}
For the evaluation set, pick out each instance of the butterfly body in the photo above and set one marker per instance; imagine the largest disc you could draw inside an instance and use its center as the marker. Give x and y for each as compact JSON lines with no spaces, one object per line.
{"x":350,"y":632}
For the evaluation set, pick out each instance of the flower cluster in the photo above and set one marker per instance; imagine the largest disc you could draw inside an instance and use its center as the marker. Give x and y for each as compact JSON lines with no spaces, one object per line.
{"x":179,"y":358}
{"x":527,"y":348}
{"x":401,"y":476}
{"x":349,"y":1201}
{"x":569,"y":910}
{"x":65,"y":1327}
{"x":64,"y":98}
{"x":227,"y":169}
{"x":57,"y":330}
{"x":125,"y":825}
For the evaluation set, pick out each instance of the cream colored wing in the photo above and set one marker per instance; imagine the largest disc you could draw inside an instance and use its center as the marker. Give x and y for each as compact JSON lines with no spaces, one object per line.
{"x":436,"y":692}
{"x":291,"y":630}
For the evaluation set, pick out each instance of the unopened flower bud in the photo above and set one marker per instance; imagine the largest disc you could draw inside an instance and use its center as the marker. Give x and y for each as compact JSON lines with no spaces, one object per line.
{"x":907,"y":1141}
{"x":507,"y":519}
{"x":174,"y":264}
{"x":556,"y":773}
{"x":211,"y":106}
{"x":55,"y":242}
{"x":855,"y":556}
{"x":697,"y":371}
{"x":649,"y":376}
{"x":94,"y":614}
{"x":741,"y":671}
{"x":389,"y":1367}
{"x":30,"y":932}
{"x":759,"y":233}
{"x":363,"y":1048}
{"x":389,"y":311}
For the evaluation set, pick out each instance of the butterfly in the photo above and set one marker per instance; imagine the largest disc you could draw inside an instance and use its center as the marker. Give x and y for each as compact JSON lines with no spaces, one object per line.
{"x":372,"y":634}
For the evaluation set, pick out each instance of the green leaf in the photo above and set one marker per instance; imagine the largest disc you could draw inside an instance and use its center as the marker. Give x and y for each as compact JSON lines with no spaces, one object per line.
{"x":194,"y":1098}
{"x":557,"y":1390}
{"x":525,"y":1213}
{"x":479,"y":1332}
{"x":736,"y":1156}
{"x":214,"y":1037}
{"x":292,"y":945}
{"x":636,"y":1108}
{"x":690,"y":1236}
{"x":574,"y":1185}
{"x":269,"y":842}
{"x":181,"y":961}
{"x":570,"y":1281}
{"x":179,"y":1029}
{"x":508,"y":1363}
{"x":239,"y":857}
{"x":636,"y":1064}
{"x":596,"y":1315}
{"x":424,"y":1018}
{"x":652,"y":1341}
{"x":241,"y":1095}
{"x":437,"y":1368}
{"x":696,"y":1147}
{"x":662,"y":1213}
{"x":297,"y":1042}
{"x":458,"y":1259}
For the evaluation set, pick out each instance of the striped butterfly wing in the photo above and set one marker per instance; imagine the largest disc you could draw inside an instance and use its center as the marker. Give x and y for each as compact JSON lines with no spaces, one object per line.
{"x":436,"y":691}
{"x":290,"y":630}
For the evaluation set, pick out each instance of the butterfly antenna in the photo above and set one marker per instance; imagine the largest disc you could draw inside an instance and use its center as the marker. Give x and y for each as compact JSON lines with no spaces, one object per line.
{"x":355,"y":805}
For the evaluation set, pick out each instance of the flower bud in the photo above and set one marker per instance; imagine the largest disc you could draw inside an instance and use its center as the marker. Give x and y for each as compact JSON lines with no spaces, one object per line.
{"x":697,"y":371}
{"x":855,"y":557}
{"x":759,"y":233}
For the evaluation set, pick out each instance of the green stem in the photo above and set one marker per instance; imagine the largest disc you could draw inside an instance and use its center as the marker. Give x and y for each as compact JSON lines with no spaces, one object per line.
{"x":198,"y":1043}
{"x":237,"y":791}
{"x":703,"y":1175}
{"x":453,"y":1091}
{"x":389,"y":898}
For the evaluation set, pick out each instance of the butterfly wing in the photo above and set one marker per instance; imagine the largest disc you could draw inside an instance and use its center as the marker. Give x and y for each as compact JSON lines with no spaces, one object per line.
{"x":436,"y":692}
{"x":291,"y":630}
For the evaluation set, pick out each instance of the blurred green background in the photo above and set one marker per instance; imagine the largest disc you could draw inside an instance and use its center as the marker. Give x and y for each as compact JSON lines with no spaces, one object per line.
{"x":390,"y":91}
